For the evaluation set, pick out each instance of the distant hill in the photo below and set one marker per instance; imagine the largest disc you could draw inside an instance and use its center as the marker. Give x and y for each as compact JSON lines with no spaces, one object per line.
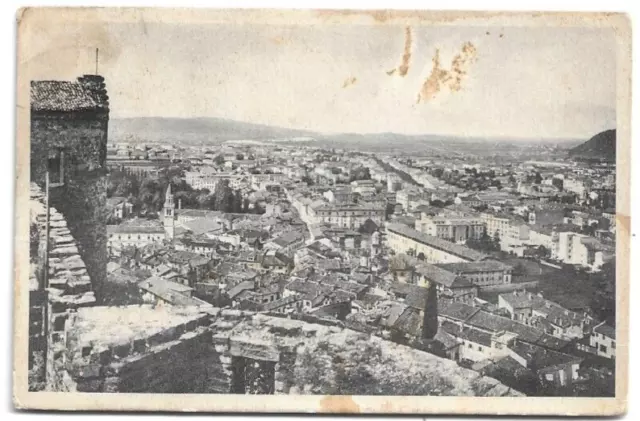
{"x":601,"y":146}
{"x":194,"y":131}
{"x":210,"y":131}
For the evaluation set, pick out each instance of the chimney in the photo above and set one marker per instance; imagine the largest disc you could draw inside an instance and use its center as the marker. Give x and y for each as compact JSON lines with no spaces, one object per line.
{"x":179,"y":203}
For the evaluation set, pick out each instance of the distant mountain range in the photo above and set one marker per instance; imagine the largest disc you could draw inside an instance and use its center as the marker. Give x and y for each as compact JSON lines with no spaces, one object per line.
{"x":601,"y":146}
{"x":194,"y":130}
{"x":212,"y":131}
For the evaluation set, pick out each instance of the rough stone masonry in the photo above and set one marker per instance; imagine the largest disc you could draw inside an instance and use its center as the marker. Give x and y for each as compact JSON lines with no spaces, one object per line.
{"x":187,"y":350}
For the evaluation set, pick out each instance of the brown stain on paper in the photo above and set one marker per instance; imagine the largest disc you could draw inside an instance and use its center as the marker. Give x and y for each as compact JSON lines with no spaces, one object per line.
{"x":623,"y":221}
{"x":349,"y":81}
{"x":279,"y":40}
{"x":403,"y":68}
{"x":451,"y":79}
{"x":339,"y":404}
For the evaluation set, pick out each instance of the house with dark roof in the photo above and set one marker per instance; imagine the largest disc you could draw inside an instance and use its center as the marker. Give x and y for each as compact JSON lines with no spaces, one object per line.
{"x":481,"y":273}
{"x":549,"y":365}
{"x":483,"y":320}
{"x":603,"y":340}
{"x":450,"y":286}
{"x":287,"y":243}
{"x":119,"y":207}
{"x":161,"y":291}
{"x":550,"y":317}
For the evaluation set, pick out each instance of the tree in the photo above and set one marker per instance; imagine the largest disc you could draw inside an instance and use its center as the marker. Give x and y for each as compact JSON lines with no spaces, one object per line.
{"x":245,"y":205}
{"x":421,"y":256}
{"x":430,"y":318}
{"x":496,"y":240}
{"x":223,"y":196}
{"x":538,"y":178}
{"x":219,"y":160}
{"x":237,"y":202}
{"x":308,"y":180}
{"x":120,"y":294}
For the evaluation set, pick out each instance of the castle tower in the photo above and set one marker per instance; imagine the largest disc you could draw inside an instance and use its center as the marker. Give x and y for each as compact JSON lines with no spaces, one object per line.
{"x":69,"y":130}
{"x":169,"y":215}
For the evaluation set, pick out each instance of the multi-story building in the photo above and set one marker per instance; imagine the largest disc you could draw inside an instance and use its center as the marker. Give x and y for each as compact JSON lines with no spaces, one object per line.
{"x":450,"y":286}
{"x":409,"y":198}
{"x":512,"y":230}
{"x":341,"y":194}
{"x":134,"y":234}
{"x":209,"y":180}
{"x":582,"y":250}
{"x":603,"y":339}
{"x":535,"y":310}
{"x":403,"y":239}
{"x":456,"y":228}
{"x":575,"y":186}
{"x":481,"y":273}
{"x":346,"y":215}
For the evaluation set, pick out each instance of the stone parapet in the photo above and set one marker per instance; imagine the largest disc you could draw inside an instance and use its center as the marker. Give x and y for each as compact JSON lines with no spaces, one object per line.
{"x":232,"y":351}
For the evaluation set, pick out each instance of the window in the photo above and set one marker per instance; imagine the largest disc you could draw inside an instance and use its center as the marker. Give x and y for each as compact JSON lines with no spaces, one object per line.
{"x":479,"y":348}
{"x":613,"y":345}
{"x":603,"y":348}
{"x":470,"y":346}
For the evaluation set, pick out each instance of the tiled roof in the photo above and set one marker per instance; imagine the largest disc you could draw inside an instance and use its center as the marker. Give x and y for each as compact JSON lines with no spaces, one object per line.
{"x":475,"y":317}
{"x":466,"y":333}
{"x":409,"y":322}
{"x":442,"y":276}
{"x":606,"y":330}
{"x":553,"y":312}
{"x":482,"y":266}
{"x":542,"y":358}
{"x":437,"y":243}
{"x":85,"y":94}
{"x":242,"y":286}
{"x":135,"y":229}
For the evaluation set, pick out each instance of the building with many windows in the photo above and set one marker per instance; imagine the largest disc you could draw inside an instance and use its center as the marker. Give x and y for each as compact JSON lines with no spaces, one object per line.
{"x":482,"y":273}
{"x":134,"y":233}
{"x":456,"y":227}
{"x":603,"y":339}
{"x":583,"y":250}
{"x":403,"y":239}
{"x":346,"y":215}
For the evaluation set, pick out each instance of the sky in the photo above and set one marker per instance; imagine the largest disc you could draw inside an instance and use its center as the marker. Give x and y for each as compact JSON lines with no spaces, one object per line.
{"x":478,"y":81}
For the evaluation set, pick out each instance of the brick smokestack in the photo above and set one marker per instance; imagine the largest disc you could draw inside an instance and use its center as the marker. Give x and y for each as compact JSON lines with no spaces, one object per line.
{"x":430,"y":318}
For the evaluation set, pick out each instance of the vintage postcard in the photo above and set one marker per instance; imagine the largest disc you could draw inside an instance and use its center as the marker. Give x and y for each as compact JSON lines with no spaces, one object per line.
{"x":370,"y":211}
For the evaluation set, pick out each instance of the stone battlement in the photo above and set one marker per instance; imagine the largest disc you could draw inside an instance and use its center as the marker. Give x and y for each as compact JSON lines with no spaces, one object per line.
{"x":142,"y":349}
{"x":61,"y":279}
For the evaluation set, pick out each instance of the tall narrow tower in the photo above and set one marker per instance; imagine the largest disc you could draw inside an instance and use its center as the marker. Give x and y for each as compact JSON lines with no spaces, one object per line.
{"x":169,"y":215}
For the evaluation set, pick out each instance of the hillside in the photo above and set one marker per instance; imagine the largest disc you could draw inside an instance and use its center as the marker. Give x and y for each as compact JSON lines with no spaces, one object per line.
{"x":213,"y":131}
{"x":193,"y":131}
{"x":601,"y":147}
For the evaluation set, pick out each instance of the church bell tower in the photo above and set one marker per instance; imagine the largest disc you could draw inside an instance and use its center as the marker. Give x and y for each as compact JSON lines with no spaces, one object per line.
{"x":169,"y":215}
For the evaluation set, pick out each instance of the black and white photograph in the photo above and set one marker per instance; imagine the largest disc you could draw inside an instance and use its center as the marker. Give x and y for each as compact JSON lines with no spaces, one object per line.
{"x":322,"y":203}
